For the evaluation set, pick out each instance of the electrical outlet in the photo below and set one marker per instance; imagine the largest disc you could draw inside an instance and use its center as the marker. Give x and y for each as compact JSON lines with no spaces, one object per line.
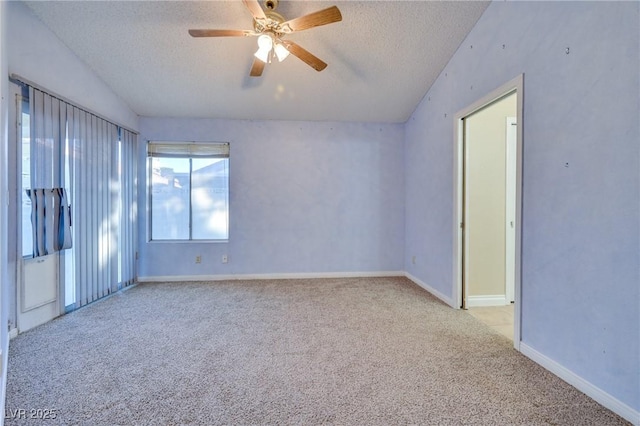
{"x":413,"y":260}
{"x":198,"y":259}
{"x":225,"y":259}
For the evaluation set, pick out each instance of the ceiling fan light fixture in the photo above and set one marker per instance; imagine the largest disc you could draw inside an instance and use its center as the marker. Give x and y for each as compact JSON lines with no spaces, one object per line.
{"x":281,"y":51}
{"x":265,"y":44}
{"x":263,"y":55}
{"x":269,"y":26}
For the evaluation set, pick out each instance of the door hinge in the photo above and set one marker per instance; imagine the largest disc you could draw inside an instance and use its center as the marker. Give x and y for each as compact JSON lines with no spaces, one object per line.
{"x":461,"y":225}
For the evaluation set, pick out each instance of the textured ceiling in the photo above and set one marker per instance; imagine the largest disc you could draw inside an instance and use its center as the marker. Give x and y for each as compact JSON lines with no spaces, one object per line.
{"x":382,"y":57}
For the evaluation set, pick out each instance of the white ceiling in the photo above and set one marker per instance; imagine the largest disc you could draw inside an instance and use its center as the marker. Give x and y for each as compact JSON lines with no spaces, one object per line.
{"x":382,"y":57}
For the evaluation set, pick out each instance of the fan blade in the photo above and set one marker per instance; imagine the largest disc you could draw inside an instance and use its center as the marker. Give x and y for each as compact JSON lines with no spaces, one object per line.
{"x":255,"y":9}
{"x":256,"y":68}
{"x":304,"y":55}
{"x":315,"y":19}
{"x":221,"y":33}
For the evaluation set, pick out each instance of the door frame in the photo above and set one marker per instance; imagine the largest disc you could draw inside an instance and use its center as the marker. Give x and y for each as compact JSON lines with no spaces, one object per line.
{"x":515,"y":85}
{"x":511,"y":141}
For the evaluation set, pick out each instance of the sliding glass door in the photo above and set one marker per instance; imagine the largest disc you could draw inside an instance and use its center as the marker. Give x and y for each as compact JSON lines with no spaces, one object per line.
{"x":94,"y":164}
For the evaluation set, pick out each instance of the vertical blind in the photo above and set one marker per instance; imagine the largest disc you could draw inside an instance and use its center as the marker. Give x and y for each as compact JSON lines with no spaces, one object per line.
{"x":95,"y":160}
{"x":48,"y":198}
{"x":129,"y":210}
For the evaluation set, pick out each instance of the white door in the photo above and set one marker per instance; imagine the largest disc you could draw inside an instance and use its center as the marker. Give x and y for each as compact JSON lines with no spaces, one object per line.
{"x":510,"y":208}
{"x":38,"y":292}
{"x":485,"y":184}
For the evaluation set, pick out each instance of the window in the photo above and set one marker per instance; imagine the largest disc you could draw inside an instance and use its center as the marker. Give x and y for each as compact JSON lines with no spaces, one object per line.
{"x":189,"y":191}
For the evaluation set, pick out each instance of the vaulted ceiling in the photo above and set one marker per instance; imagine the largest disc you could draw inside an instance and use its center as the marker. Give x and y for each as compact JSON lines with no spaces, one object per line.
{"x":382,"y":57}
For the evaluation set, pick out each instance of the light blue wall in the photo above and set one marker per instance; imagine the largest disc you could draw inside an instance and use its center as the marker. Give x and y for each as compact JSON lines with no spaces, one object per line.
{"x":36,"y":54}
{"x":305,"y":197}
{"x":580,"y":241}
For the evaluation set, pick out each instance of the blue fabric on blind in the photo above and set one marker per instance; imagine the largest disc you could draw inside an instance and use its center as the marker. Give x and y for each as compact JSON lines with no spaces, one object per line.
{"x":37,"y":221}
{"x":40,"y":223}
{"x":64,"y":229}
{"x":50,"y":220}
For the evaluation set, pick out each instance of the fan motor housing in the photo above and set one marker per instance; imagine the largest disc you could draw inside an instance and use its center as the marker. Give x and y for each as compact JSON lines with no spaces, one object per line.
{"x":274,"y":19}
{"x":271,"y":4}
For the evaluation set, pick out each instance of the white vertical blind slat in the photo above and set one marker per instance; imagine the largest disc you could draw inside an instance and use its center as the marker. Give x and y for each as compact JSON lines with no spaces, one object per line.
{"x":85,"y":207}
{"x":47,"y":140}
{"x":124,"y":243}
{"x":65,"y":273}
{"x":114,"y":209}
{"x":101,"y":226}
{"x":130,"y":217}
{"x":93,"y":217}
{"x":111,"y":256}
{"x":79,"y":198}
{"x":74,"y":162}
{"x":92,"y":207}
{"x":129,"y":214}
{"x":133,"y":210}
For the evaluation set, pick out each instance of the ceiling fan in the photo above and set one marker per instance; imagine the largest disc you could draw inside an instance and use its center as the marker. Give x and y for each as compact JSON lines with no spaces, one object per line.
{"x":270,"y":27}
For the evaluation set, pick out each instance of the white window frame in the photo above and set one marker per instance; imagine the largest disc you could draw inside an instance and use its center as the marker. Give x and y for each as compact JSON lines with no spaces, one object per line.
{"x":186,"y":150}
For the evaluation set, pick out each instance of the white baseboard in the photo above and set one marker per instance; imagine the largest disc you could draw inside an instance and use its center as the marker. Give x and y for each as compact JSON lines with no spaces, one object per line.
{"x":446,"y":299}
{"x":490,"y":300}
{"x":582,"y":385}
{"x":13,"y":333}
{"x":293,"y":275}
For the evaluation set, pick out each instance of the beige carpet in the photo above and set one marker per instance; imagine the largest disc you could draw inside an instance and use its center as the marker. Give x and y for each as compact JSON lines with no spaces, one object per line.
{"x":337,"y":351}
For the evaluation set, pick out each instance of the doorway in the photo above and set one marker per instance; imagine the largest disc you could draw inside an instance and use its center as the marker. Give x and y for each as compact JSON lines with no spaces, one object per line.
{"x":487,"y":186}
{"x":37,"y":291}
